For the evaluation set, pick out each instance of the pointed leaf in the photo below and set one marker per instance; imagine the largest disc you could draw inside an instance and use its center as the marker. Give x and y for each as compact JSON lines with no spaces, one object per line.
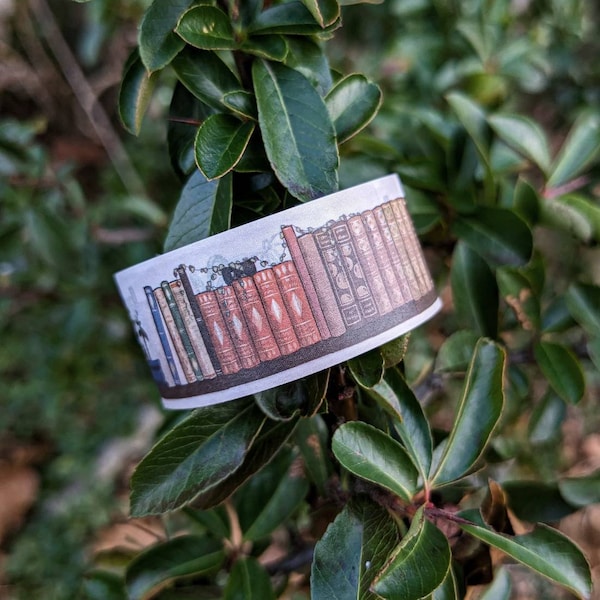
{"x":474,"y":291}
{"x":157,"y":39}
{"x":248,"y":580}
{"x":573,"y":214}
{"x":373,"y":455}
{"x":525,"y":136}
{"x":544,"y":550}
{"x":220,"y":143}
{"x":290,"y":18}
{"x":298,"y":134}
{"x":352,"y":104}
{"x":456,"y":352}
{"x":325,"y":12}
{"x":242,"y":103}
{"x":354,"y":548}
{"x":312,"y":439}
{"x":198,"y":453}
{"x":583,"y":302}
{"x":562,"y":369}
{"x":546,"y":421}
{"x":581,"y":491}
{"x":449,"y":588}
{"x":164,"y":563}
{"x":477,"y":415}
{"x":206,"y":27}
{"x":367,"y":369}
{"x":536,"y":501}
{"x":204,"y":208}
{"x":136,"y":90}
{"x":419,"y":564}
{"x":309,"y":58}
{"x":271,"y":47}
{"x":526,"y":202}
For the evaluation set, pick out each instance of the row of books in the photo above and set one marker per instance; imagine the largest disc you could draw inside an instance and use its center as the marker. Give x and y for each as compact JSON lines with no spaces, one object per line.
{"x":338,"y":277}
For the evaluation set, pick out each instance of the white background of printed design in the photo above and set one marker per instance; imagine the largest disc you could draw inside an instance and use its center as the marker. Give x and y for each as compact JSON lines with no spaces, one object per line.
{"x":244,"y":242}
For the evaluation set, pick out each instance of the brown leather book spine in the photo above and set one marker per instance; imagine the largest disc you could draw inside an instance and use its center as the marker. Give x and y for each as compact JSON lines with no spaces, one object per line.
{"x":296,"y":301}
{"x":218,"y":331}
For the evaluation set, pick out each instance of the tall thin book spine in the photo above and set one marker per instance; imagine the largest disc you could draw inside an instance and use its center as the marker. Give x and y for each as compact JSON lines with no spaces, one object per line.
{"x":245,"y":346}
{"x":162,"y":334}
{"x":371,"y":268}
{"x":184,"y":360}
{"x":218,"y":332}
{"x":296,"y":301}
{"x":279,"y":319}
{"x":196,"y":339}
{"x":183,"y":334}
{"x":256,"y":319}
{"x":200,"y":322}
{"x":306,"y":281}
{"x":320,"y":277}
{"x":354,"y":271}
{"x":383,"y":259}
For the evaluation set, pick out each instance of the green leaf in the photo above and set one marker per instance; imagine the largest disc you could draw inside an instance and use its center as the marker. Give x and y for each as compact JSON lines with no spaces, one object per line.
{"x":271,"y":47}
{"x":367,"y":369}
{"x":268,"y":499}
{"x":308,"y":57}
{"x":525,"y":136}
{"x":519,"y":295}
{"x":583,"y":302}
{"x":312,"y":439}
{"x":103,"y":585}
{"x":290,"y":18}
{"x":373,"y":455}
{"x":546,"y":420}
{"x":578,"y":152}
{"x":474,"y":291}
{"x":477,"y":415}
{"x":562,"y":370}
{"x":298,"y":134}
{"x":535,"y":501}
{"x":449,"y":588}
{"x":165,"y":563}
{"x":497,"y":234}
{"x":220,"y":143}
{"x":352,"y":550}
{"x":352,"y":103}
{"x":456,"y":352}
{"x":581,"y":491}
{"x":157,"y":39}
{"x":136,"y":90}
{"x":242,"y":103}
{"x":556,"y":316}
{"x":205,"y":75}
{"x":393,"y":352}
{"x":526,"y":202}
{"x":419,"y":564}
{"x":198,"y":453}
{"x":574,"y":214}
{"x":207,"y":28}
{"x":204,"y":208}
{"x":544,"y":550}
{"x":248,"y":580}
{"x":325,"y":12}
{"x":501,"y":588}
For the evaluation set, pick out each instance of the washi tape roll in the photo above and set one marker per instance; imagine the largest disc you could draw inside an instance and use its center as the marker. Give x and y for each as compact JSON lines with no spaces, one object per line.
{"x":282,"y":297}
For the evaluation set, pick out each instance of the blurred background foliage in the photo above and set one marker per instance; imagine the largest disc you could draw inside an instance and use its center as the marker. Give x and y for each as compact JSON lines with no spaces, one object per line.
{"x":81,"y":199}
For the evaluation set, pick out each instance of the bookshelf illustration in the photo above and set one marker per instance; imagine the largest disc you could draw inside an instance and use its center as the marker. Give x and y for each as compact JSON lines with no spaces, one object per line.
{"x":332,"y":286}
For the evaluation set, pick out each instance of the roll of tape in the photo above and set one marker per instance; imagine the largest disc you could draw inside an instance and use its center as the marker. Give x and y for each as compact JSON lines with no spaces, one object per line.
{"x":280,"y":298}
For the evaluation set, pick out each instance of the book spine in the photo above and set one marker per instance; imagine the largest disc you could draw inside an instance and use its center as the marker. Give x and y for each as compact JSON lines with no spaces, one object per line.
{"x":354,"y":271}
{"x":162,"y":334}
{"x":371,"y":268}
{"x":256,"y":318}
{"x":395,"y":259}
{"x":296,"y":301}
{"x":238,"y":329}
{"x":183,"y":334}
{"x":279,"y":319}
{"x":322,"y":283}
{"x":189,"y":321}
{"x":218,"y":332}
{"x":200,"y":322}
{"x":383,"y":259}
{"x":413,"y":246}
{"x":184,"y":360}
{"x":306,"y":281}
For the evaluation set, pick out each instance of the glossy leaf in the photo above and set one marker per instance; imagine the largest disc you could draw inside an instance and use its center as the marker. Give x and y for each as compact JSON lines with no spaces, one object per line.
{"x":352,"y":550}
{"x":477,"y":415}
{"x":498,"y":235}
{"x":536,"y":501}
{"x":583,"y":302}
{"x":562,"y":369}
{"x":248,"y":580}
{"x":544,"y":550}
{"x":525,"y":136}
{"x":220,"y":143}
{"x":393,"y":352}
{"x":367,"y":369}
{"x":419,"y":564}
{"x":207,"y":28}
{"x":298,"y":134}
{"x":325,"y":12}
{"x":291,"y":18}
{"x":204,"y":208}
{"x":581,"y":491}
{"x":373,"y":455}
{"x":474,"y":291}
{"x":309,"y":58}
{"x":103,"y":585}
{"x":456,"y":352}
{"x":556,"y":316}
{"x":352,"y":104}
{"x":448,"y":589}
{"x":136,"y":90}
{"x":519,"y":295}
{"x":500,"y":589}
{"x":242,"y":103}
{"x":312,"y":439}
{"x":164,"y":563}
{"x":271,"y":47}
{"x":157,"y":40}
{"x":578,"y":152}
{"x":526,"y":202}
{"x":198,"y":453}
{"x":547,"y":419}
